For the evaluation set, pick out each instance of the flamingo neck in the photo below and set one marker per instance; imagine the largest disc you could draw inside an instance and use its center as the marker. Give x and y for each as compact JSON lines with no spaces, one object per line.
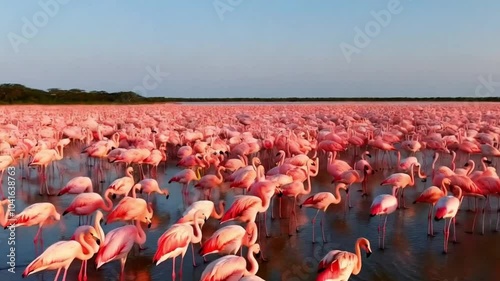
{"x":399,"y":158}
{"x":336,"y":196}
{"x":255,"y":236}
{"x":471,"y":168}
{"x":4,"y":218}
{"x":141,"y":235}
{"x":87,"y":251}
{"x":357,"y":267}
{"x":453,"y":161}
{"x":197,"y":230}
{"x":221,"y":211}
{"x":485,"y":167}
{"x":254,"y":266}
{"x":443,"y":188}
{"x":97,"y":226}
{"x":108,"y":204}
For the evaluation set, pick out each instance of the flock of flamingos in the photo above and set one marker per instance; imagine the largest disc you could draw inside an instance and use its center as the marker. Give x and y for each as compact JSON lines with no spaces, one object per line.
{"x":266,"y":154}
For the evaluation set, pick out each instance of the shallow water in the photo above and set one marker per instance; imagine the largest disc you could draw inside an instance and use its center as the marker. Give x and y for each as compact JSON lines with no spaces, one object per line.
{"x":409,"y":254}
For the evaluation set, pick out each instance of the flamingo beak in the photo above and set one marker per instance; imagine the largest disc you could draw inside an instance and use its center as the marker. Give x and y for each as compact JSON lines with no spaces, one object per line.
{"x":168,"y":195}
{"x":368,"y":254}
{"x":369,"y":155}
{"x":149,"y":225}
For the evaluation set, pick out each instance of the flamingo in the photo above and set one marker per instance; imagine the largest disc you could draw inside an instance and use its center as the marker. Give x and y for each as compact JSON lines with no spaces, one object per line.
{"x":231,"y":267}
{"x":131,"y":208}
{"x":35,"y":214}
{"x":123,"y":185}
{"x":339,"y":265}
{"x":85,"y":204}
{"x":42,"y":159}
{"x":229,"y":239}
{"x":384,"y":205}
{"x":431,"y":196}
{"x":175,"y":241}
{"x":118,"y":244}
{"x":6,"y":161}
{"x":61,"y":254}
{"x":149,"y":186}
{"x":321,"y":201}
{"x":350,"y":177}
{"x":77,"y":185}
{"x":447,"y":208}
{"x":206,"y":207}
{"x":82,"y":275}
{"x":402,"y":180}
{"x":209,"y":182}
{"x":295,"y":189}
{"x":4,"y":218}
{"x":185,"y":177}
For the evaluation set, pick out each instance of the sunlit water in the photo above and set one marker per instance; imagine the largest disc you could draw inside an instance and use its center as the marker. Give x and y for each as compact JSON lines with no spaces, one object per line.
{"x":409,"y":253}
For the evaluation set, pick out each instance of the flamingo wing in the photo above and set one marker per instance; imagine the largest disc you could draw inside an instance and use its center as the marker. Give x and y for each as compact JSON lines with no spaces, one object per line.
{"x":224,"y":268}
{"x":57,"y":253}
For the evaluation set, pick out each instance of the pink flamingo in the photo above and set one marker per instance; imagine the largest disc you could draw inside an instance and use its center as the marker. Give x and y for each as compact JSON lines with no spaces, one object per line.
{"x":209,"y":182}
{"x":447,"y":208}
{"x":206,"y":207}
{"x":175,"y":241}
{"x":82,"y":275}
{"x":43,"y":158}
{"x":231,"y":267}
{"x":149,"y":186}
{"x":118,"y":244}
{"x":321,"y":201}
{"x":350,"y":177}
{"x":5,"y":162}
{"x":85,"y":204}
{"x":431,"y":196}
{"x":4,"y":218}
{"x":77,"y":185}
{"x":61,"y":254}
{"x":340,"y":265}
{"x":185,"y":177}
{"x":130,"y":208}
{"x":402,"y":180}
{"x":229,"y":239}
{"x":35,"y":214}
{"x":295,"y":189}
{"x":384,"y":205}
{"x":123,"y":185}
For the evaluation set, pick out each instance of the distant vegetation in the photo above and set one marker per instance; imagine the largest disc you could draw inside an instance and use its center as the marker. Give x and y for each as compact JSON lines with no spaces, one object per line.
{"x":19,"y":94}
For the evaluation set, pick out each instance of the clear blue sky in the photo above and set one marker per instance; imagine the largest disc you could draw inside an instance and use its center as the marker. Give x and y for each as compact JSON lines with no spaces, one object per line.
{"x":260,"y":48}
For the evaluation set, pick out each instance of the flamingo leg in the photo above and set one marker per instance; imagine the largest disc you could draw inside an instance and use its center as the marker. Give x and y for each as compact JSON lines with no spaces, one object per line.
{"x":498,"y":218}
{"x":279,"y":208}
{"x":454,"y":230}
{"x":80,"y":274}
{"x":383,"y":232}
{"x":313,"y":221}
{"x":122,"y":268}
{"x":64,"y":275}
{"x":295,"y":214}
{"x":182,"y":265}
{"x":192,"y":251}
{"x":403,"y":198}
{"x":322,"y":222}
{"x":173,"y":268}
{"x":445,"y":232}
{"x":265,"y":225}
{"x":57,"y":274}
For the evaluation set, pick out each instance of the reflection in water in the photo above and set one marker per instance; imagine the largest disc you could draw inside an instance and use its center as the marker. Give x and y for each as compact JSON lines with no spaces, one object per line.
{"x":409,"y":255}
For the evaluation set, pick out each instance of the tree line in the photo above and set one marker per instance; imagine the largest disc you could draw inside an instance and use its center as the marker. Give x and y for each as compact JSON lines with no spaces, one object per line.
{"x":20,"y":94}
